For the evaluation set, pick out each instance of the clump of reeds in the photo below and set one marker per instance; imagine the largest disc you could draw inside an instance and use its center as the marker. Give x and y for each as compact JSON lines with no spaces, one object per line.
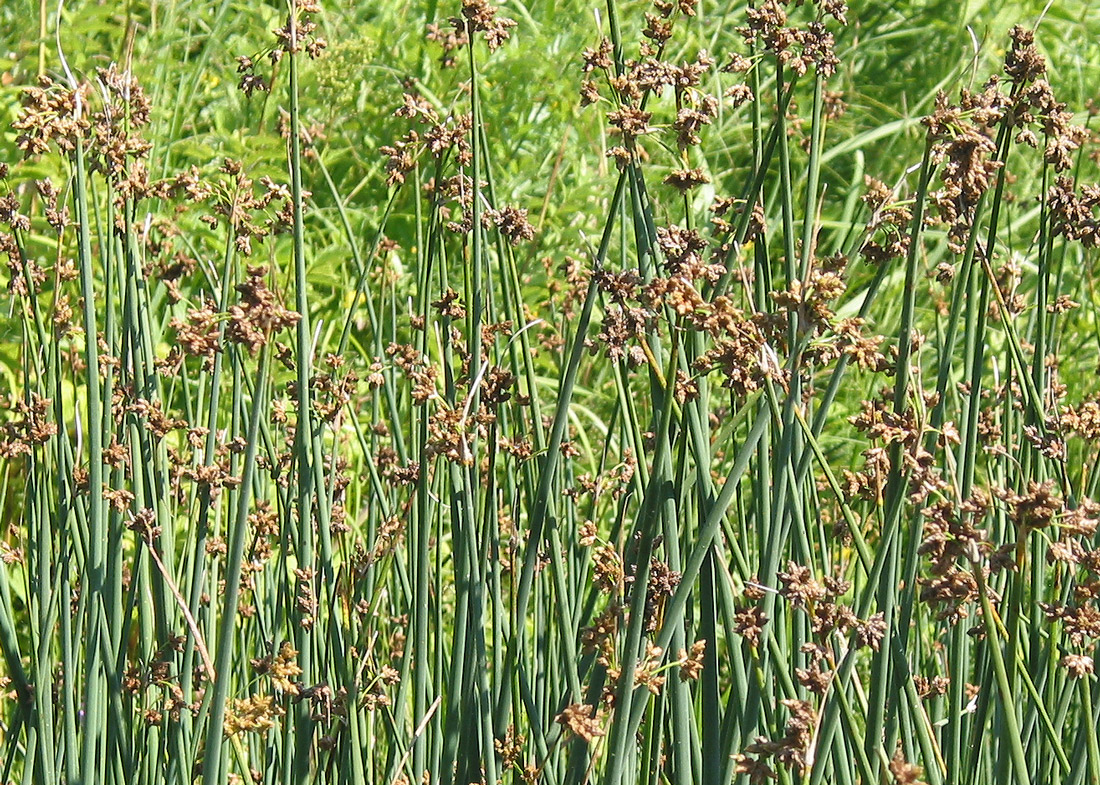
{"x":770,"y":483}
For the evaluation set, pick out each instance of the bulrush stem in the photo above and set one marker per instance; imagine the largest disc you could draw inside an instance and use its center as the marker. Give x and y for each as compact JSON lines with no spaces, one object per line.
{"x":226,"y":652}
{"x":95,"y":697}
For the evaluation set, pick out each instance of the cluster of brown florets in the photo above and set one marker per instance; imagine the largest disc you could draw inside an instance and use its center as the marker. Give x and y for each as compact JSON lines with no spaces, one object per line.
{"x":448,"y":140}
{"x":53,"y":115}
{"x":963,"y":136}
{"x":617,"y":576}
{"x":1073,"y":215}
{"x":32,"y":426}
{"x":821,"y":601}
{"x":789,"y":751}
{"x":968,"y":154}
{"x":297,"y":34}
{"x":694,"y":109}
{"x":797,"y":48}
{"x":480,"y":17}
{"x":477,"y":16}
{"x":282,"y":668}
{"x":259,"y":313}
{"x":1073,"y":531}
{"x":747,"y":346}
{"x":107,"y":131}
{"x":234,"y":199}
{"x":880,"y":421}
{"x":117,"y":149}
{"x":254,"y":714}
{"x":449,"y":39}
{"x":333,"y":390}
{"x":955,"y":546}
{"x":739,"y":351}
{"x":511,"y":222}
{"x":583,"y":721}
{"x":300,"y":30}
{"x":1035,"y":105}
{"x":590,"y":490}
{"x":633,"y":81}
{"x":886,"y":230}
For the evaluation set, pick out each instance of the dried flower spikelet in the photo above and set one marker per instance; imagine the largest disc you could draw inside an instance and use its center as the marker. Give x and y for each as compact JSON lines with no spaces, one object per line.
{"x":143,"y":523}
{"x":691,"y":119}
{"x":905,"y":773}
{"x":630,"y":122}
{"x":1072,"y":215}
{"x":511,"y":222}
{"x":256,"y":714}
{"x":871,"y":632}
{"x":684,"y":180}
{"x":1078,"y":665}
{"x":607,"y":569}
{"x":249,"y":82}
{"x":796,"y":48}
{"x":1081,"y":623}
{"x":400,"y":158}
{"x":800,"y":587}
{"x":1038,"y":507}
{"x":299,"y":32}
{"x":510,"y":748}
{"x":480,"y":17}
{"x":599,"y":57}
{"x":789,"y":751}
{"x":691,"y":663}
{"x":582,"y":721}
{"x":120,"y":499}
{"x":647,"y":673}
{"x":53,"y":115}
{"x":814,"y":678}
{"x":749,"y":624}
{"x":116,"y":147}
{"x":449,"y":39}
{"x":197,"y":333}
{"x":447,"y":436}
{"x":258,"y":314}
{"x":757,"y":769}
{"x":1023,"y":63}
{"x":284,"y":668}
{"x":886,"y":233}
